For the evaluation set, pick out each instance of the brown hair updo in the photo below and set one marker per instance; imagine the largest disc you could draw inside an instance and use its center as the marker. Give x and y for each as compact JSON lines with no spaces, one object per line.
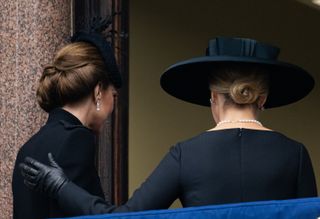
{"x":240,"y":83}
{"x":76,"y":69}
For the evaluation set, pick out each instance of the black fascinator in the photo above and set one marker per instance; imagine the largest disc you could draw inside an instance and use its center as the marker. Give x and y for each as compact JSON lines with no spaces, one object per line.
{"x":93,"y":35}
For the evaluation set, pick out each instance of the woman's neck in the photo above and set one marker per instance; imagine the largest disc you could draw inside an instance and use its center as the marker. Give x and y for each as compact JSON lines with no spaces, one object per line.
{"x":238,"y":118}
{"x":233,"y":114}
{"x":80,"y":110}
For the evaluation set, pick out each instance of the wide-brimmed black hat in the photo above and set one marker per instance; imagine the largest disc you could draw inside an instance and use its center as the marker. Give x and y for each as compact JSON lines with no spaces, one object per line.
{"x":189,"y":80}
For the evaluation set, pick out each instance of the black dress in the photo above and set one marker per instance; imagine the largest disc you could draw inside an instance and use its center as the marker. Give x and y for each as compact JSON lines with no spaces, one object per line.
{"x":217,"y":167}
{"x":72,"y":145}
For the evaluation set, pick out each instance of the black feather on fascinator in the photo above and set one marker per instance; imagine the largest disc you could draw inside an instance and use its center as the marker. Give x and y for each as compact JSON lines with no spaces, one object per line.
{"x":94,"y":36}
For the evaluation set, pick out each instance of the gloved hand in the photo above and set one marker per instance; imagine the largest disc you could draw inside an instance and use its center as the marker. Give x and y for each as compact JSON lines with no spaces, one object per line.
{"x":43,"y":178}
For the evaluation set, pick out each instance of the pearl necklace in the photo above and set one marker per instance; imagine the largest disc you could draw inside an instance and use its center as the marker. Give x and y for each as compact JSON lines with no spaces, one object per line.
{"x":240,"y":121}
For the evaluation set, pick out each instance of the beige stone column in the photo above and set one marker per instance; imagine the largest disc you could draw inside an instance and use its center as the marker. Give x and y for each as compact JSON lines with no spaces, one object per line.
{"x":30,"y":32}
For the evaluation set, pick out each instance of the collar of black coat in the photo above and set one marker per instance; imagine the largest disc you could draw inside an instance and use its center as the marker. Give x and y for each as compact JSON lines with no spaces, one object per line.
{"x":67,"y":119}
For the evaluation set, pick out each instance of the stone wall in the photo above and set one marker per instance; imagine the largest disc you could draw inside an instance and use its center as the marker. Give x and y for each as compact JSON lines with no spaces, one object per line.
{"x":30,"y":33}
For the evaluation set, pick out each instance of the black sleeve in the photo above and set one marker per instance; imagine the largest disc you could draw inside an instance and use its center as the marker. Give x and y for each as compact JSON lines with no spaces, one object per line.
{"x":306,"y":179}
{"x":76,"y":201}
{"x":159,"y":191}
{"x":76,"y":157}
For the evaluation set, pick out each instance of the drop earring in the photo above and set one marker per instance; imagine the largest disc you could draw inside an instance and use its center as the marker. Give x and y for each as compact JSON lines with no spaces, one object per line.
{"x":211,"y":101}
{"x":98,"y":105}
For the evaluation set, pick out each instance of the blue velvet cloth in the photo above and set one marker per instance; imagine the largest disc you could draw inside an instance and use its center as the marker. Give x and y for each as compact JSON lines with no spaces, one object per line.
{"x":306,"y":208}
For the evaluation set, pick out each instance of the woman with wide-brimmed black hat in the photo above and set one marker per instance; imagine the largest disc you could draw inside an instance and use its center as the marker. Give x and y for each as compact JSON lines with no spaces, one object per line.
{"x":239,"y":160}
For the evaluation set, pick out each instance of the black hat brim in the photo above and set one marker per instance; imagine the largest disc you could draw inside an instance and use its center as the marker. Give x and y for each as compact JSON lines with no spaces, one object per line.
{"x":189,"y":80}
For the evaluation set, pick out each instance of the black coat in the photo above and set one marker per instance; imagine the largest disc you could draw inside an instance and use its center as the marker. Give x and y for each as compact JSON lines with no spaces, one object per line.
{"x":216,"y":167}
{"x":73,"y":147}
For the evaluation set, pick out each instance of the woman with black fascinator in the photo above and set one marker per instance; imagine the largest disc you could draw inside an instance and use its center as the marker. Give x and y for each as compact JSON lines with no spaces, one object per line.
{"x":77,"y":90}
{"x":238,"y":160}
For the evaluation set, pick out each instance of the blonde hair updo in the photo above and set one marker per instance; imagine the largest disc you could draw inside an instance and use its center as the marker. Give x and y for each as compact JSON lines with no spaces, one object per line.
{"x":241,"y":84}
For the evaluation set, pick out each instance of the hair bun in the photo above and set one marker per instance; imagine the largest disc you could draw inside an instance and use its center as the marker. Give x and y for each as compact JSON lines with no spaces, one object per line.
{"x":243,"y":93}
{"x":46,"y":92}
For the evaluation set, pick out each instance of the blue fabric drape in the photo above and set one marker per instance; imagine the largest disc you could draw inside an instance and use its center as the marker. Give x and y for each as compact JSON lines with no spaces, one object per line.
{"x":307,"y":208}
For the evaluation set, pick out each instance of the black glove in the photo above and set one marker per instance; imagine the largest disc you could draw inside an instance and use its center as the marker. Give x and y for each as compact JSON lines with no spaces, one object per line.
{"x":43,"y":178}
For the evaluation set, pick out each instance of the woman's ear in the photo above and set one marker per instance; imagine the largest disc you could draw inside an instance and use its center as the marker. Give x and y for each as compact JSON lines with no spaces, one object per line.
{"x":97,"y":92}
{"x":261,"y":101}
{"x":214,"y":97}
